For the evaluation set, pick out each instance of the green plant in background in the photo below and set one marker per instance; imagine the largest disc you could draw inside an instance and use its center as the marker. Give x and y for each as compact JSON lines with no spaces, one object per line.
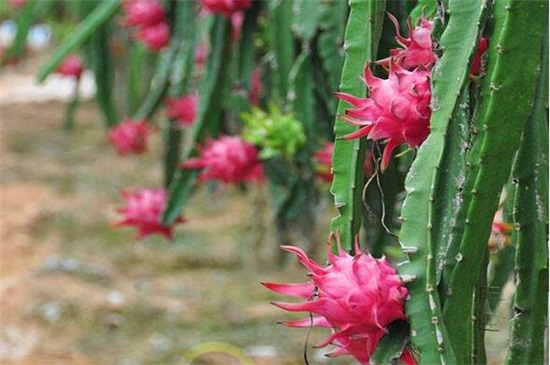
{"x":275,"y":133}
{"x":477,"y":122}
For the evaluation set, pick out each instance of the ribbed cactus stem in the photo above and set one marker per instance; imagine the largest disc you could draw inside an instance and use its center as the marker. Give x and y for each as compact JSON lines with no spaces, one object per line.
{"x":429,"y":333}
{"x":503,"y":114}
{"x":531,"y":219}
{"x":361,"y":40}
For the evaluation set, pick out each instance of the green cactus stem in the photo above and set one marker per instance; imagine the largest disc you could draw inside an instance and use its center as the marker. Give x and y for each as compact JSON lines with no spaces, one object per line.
{"x":102,"y":64}
{"x":429,"y":334}
{"x":361,"y":41}
{"x":531,"y":220}
{"x":280,"y":17}
{"x":208,"y":115}
{"x":450,"y":186}
{"x":85,"y":30}
{"x":185,"y":35}
{"x":504,"y":111}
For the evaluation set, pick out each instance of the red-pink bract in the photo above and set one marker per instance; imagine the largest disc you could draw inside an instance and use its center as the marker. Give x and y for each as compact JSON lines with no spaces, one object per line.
{"x":323,"y":162}
{"x":130,"y":137}
{"x":226,"y":7}
{"x":396,"y":111}
{"x":418,"y":48}
{"x":72,"y":66}
{"x":200,"y":55}
{"x":17,"y":3}
{"x":143,"y":13}
{"x":183,"y":109}
{"x":229,"y":160}
{"x":356,"y":296}
{"x":155,"y":37}
{"x":255,"y":87}
{"x":143,"y":210}
{"x":476,"y":67}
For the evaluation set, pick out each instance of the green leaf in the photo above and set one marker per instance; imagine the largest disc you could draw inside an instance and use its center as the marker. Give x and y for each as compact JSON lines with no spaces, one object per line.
{"x":391,"y":346}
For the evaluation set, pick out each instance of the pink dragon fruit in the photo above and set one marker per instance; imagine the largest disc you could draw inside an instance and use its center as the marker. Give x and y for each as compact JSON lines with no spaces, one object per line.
{"x":397,"y":109}
{"x":232,"y":9}
{"x":183,"y":109}
{"x":418,"y":49}
{"x":155,"y":37}
{"x":72,"y":66}
{"x":130,"y":137}
{"x":476,"y":67}
{"x":225,"y":7}
{"x":143,"y":210}
{"x":200,"y":55}
{"x":143,"y":13}
{"x":229,"y":160}
{"x":323,"y":163}
{"x":17,"y":4}
{"x":356,"y":296}
{"x":255,"y":87}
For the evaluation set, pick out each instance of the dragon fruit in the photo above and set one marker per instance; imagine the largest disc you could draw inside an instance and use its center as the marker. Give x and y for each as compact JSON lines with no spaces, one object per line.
{"x":229,"y":160}
{"x":476,"y":67}
{"x":143,"y":210}
{"x":143,"y":13}
{"x":155,"y":37}
{"x":130,"y":137}
{"x":418,"y":48}
{"x":72,"y":66}
{"x":397,"y":109}
{"x":183,"y":109}
{"x":356,"y":296}
{"x":225,"y":7}
{"x":323,"y":163}
{"x":148,"y":17}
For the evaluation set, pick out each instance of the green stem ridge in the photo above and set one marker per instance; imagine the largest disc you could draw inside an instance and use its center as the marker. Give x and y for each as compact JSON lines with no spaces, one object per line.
{"x":361,"y":40}
{"x":429,"y":334}
{"x":503,"y":115}
{"x":531,"y":219}
{"x":104,"y":73}
{"x":185,"y":35}
{"x":280,"y":14}
{"x":208,"y":115}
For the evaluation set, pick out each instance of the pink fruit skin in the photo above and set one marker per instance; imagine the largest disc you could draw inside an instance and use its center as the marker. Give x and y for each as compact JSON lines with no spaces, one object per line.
{"x":155,"y":37}
{"x":143,"y":13}
{"x":356,"y":296}
{"x":72,"y":66}
{"x":143,"y":211}
{"x":228,"y":160}
{"x":130,"y":137}
{"x":396,"y":111}
{"x":183,"y":109}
